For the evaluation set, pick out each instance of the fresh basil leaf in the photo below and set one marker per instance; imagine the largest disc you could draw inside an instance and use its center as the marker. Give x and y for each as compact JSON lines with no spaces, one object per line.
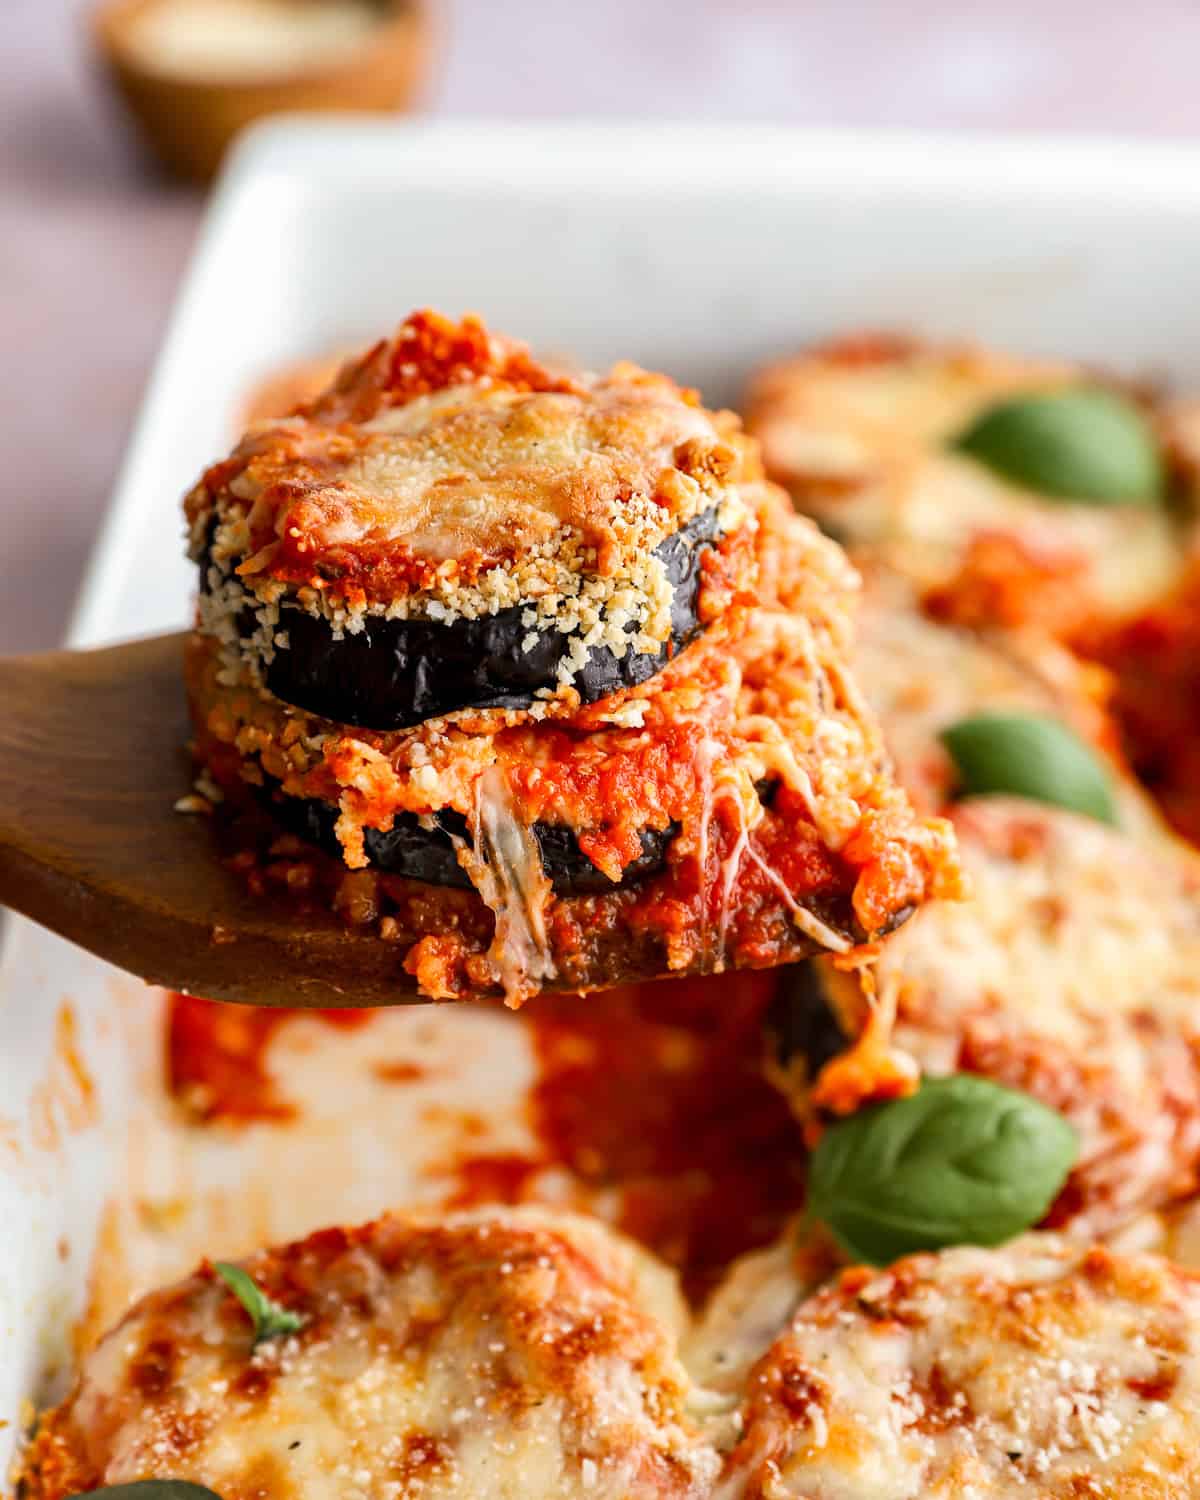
{"x":270,"y":1319}
{"x":961,"y":1161}
{"x":151,"y":1489}
{"x":1083,"y":444}
{"x":1027,"y":755}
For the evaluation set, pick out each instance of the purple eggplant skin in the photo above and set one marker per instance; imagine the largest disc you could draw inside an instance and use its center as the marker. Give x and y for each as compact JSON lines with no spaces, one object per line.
{"x":428,"y":855}
{"x":800,"y":1023}
{"x":801,"y":1020}
{"x":393,"y":674}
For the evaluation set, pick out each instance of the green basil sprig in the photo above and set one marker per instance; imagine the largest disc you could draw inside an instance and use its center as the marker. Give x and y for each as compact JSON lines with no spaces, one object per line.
{"x":1029,"y":755}
{"x":961,"y":1161}
{"x":269,"y":1317}
{"x":151,"y":1489}
{"x":1084,"y":444}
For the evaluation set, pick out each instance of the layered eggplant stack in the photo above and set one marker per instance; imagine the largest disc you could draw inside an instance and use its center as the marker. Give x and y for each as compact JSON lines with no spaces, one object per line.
{"x":549,"y":674}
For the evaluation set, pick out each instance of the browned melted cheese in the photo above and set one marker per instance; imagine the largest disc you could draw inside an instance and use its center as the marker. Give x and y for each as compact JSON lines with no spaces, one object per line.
{"x":432,"y":470}
{"x":1073,"y":973}
{"x":509,"y":1353}
{"x":859,"y":432}
{"x":1040,"y":1371}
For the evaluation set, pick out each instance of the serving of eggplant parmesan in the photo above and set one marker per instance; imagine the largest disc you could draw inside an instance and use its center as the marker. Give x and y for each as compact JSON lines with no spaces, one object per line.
{"x":534,"y":672}
{"x":512,"y":1354}
{"x":1040,"y":1369}
{"x":1072,"y":974}
{"x":1010,"y":490}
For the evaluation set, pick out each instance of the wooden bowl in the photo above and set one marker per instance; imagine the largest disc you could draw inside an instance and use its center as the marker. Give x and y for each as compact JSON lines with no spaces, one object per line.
{"x":189,"y":121}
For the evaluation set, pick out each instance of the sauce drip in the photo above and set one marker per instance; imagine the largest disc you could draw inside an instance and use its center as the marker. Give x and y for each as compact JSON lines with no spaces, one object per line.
{"x":657,"y":1091}
{"x":216,"y":1056}
{"x":651,"y":1097}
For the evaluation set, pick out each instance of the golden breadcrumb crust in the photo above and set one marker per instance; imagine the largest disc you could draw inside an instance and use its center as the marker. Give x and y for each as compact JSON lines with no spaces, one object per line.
{"x":446,"y":454}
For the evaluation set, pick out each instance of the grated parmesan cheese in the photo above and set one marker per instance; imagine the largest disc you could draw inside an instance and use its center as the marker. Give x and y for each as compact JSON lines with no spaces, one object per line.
{"x":1038,"y":1369}
{"x":245,"y":39}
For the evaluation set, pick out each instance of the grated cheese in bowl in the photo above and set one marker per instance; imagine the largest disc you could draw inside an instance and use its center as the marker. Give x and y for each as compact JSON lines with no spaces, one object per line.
{"x":240,"y":39}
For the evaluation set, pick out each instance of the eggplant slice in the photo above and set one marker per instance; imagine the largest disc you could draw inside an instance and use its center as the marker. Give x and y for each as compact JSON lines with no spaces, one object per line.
{"x":802,"y":1029}
{"x":427,"y":854}
{"x":394,"y":674}
{"x":801,"y":1025}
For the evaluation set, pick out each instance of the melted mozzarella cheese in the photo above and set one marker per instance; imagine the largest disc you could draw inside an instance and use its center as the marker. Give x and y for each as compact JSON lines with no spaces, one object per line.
{"x":752,"y":1306}
{"x":505,"y":864}
{"x":1037,"y":1370}
{"x":598,"y":477}
{"x":514,"y":1354}
{"x":1073,"y":972}
{"x":864,"y":446}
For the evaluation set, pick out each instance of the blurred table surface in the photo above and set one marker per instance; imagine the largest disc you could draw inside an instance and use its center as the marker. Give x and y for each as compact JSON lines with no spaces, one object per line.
{"x":92,"y":241}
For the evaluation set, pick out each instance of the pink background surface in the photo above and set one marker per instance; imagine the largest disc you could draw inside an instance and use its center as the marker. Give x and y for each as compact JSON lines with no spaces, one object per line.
{"x":92,"y":242}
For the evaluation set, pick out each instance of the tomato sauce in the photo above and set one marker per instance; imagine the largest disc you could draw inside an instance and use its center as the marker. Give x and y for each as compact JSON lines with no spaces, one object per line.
{"x":216,"y":1056}
{"x":658,"y":1090}
{"x":654,"y":1093}
{"x":1005,"y":580}
{"x":1155,"y":663}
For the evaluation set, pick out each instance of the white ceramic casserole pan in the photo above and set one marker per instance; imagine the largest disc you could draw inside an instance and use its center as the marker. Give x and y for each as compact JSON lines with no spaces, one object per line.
{"x":701,"y":252}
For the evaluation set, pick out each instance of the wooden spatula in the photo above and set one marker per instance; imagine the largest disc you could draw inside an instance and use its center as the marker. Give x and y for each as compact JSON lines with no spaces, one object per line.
{"x":92,"y":764}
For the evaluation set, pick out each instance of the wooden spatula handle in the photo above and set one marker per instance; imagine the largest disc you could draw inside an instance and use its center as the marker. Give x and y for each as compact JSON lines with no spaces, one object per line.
{"x":92,"y":763}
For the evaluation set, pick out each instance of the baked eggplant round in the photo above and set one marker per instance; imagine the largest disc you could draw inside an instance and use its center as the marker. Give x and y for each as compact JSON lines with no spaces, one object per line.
{"x":419,"y":852}
{"x":395,"y":673}
{"x":454,"y":528}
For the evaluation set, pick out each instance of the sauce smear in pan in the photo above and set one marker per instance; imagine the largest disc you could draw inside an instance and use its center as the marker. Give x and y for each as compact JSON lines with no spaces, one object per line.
{"x":651,"y":1097}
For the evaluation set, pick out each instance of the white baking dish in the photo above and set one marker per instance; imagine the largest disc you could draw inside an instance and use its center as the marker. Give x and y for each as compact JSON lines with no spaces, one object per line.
{"x":699,"y":251}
